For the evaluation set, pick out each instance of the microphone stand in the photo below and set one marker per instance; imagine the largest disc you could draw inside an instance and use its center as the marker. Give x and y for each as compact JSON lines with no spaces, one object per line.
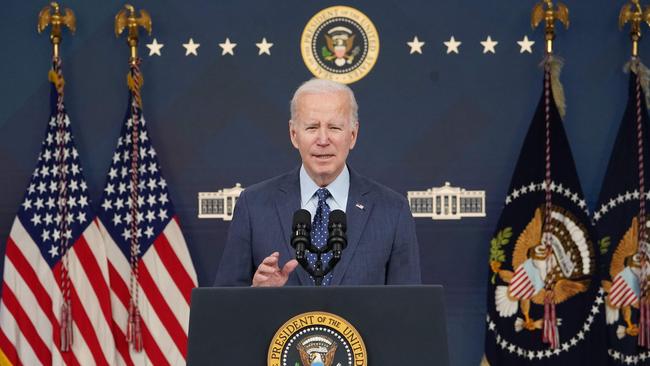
{"x":336,"y":242}
{"x":318,"y":272}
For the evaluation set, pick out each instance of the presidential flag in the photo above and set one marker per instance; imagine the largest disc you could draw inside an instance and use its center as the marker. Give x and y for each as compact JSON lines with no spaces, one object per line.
{"x":622,"y":229}
{"x":151,"y":272}
{"x":545,"y":304}
{"x":55,"y":307}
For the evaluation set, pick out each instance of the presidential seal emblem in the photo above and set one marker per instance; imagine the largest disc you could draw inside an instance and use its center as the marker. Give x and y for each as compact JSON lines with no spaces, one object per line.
{"x":340,"y":43}
{"x":543,"y":274}
{"x":317,"y":339}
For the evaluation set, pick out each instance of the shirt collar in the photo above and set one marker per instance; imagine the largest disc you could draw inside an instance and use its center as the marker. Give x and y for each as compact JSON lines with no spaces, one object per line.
{"x":339,"y":188}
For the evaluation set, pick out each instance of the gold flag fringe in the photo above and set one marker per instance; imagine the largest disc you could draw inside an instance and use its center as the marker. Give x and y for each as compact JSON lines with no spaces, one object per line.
{"x":643,"y":73}
{"x":555,"y":65}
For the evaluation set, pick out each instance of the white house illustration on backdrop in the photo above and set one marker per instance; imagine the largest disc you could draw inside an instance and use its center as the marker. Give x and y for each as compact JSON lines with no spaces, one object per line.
{"x":447,"y":203}
{"x":437,"y":203}
{"x":219,"y":204}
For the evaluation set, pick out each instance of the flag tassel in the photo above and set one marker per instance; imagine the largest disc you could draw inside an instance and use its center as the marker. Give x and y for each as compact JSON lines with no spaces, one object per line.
{"x":66,"y":326}
{"x":644,"y":323}
{"x":134,"y":328}
{"x":551,"y":333}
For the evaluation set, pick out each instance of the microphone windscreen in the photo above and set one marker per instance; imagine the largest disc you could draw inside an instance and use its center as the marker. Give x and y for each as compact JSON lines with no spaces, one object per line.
{"x":338,"y":217}
{"x":302,"y":217}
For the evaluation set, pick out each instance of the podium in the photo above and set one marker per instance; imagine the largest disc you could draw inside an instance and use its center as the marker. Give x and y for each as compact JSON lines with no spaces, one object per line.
{"x":399,"y":325}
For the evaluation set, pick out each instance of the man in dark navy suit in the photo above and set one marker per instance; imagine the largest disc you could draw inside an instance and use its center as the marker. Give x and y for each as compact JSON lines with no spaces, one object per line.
{"x":382,"y":245}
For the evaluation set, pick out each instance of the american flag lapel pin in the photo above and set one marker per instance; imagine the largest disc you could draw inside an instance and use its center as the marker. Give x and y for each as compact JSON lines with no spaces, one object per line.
{"x":360,"y":206}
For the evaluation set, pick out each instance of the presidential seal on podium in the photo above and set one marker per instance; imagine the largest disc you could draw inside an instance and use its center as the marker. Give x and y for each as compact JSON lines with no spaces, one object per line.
{"x":317,"y":339}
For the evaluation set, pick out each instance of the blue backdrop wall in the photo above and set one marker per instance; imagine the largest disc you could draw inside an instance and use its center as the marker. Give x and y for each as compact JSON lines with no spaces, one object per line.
{"x":425,"y":118}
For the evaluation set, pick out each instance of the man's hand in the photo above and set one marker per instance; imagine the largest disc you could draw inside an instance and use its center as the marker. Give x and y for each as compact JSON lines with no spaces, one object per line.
{"x":269,"y":274}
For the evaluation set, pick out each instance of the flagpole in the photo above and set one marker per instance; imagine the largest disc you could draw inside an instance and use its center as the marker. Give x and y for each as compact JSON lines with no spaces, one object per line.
{"x":51,"y":15}
{"x":545,"y":11}
{"x":634,"y":14}
{"x":126,"y":18}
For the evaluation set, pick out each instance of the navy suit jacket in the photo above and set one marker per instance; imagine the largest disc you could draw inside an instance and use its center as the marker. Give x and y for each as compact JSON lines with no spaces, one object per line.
{"x":382,"y":244}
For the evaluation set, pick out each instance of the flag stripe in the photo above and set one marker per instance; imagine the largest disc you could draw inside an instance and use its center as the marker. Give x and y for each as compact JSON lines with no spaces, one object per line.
{"x":618,"y":284}
{"x":519,"y":277}
{"x":520,"y":271}
{"x":618,"y":291}
{"x":160,"y":307}
{"x":93,"y":272}
{"x":630,"y":298}
{"x":160,"y":338}
{"x":119,"y":296}
{"x":17,"y":259}
{"x":174,"y":266}
{"x":122,"y":346}
{"x":625,"y":298}
{"x":24,"y":295}
{"x":27,"y":328}
{"x":20,"y":263}
{"x":177,"y":241}
{"x":9,"y":329}
{"x":118,"y":286}
{"x":85,"y":326}
{"x":86,"y":303}
{"x":521,"y":287}
{"x":14,"y":281}
{"x":120,"y":304}
{"x":153,"y":351}
{"x":621,"y":294}
{"x":8,"y":354}
{"x":79,"y":346}
{"x":173,"y":296}
{"x":12,"y":358}
{"x":69,"y":358}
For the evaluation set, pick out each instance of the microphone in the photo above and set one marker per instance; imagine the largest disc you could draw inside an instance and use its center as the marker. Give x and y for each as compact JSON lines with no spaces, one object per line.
{"x":300,"y":238}
{"x":336,"y":238}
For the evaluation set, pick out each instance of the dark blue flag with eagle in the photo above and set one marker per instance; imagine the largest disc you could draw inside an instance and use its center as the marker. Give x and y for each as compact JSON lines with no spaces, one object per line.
{"x":545,"y":305}
{"x":621,"y":225}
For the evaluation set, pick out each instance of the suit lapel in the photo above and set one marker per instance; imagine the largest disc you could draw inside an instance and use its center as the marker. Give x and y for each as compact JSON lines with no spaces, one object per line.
{"x":357,"y":211}
{"x":287,"y":202}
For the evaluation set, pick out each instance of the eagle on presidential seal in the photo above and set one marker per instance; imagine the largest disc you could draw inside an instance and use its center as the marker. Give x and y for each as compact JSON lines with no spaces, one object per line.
{"x":566,"y":270}
{"x":317,"y":350}
{"x":340,"y":46}
{"x":624,"y":290}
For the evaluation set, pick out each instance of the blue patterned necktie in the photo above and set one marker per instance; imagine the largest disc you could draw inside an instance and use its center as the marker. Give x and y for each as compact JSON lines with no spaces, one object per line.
{"x":319,"y":231}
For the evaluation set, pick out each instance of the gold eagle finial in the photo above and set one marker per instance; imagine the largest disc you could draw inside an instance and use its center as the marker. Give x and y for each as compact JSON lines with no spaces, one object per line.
{"x":544,"y":10}
{"x":126,"y":18}
{"x":633,"y":13}
{"x":51,"y":14}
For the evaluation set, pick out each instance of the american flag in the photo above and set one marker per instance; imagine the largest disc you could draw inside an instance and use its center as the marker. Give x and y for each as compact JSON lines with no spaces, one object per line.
{"x":55,"y":254}
{"x":162,"y":269}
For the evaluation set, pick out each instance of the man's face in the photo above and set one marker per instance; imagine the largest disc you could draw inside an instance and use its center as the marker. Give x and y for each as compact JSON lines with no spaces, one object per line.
{"x":323,"y":134}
